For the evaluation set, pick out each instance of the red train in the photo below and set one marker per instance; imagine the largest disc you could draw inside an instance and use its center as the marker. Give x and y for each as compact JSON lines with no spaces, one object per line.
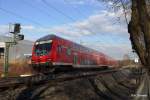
{"x":51,"y":51}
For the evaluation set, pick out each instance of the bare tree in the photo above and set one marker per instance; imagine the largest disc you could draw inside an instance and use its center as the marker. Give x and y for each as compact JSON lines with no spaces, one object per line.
{"x":138,"y":26}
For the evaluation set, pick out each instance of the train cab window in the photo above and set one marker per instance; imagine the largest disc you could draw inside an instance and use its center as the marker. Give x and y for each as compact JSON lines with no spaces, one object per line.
{"x":43,"y":47}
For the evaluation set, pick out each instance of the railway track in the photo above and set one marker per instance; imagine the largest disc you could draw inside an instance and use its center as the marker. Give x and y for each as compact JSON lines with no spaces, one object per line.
{"x":112,"y":84}
{"x":117,"y":86}
{"x":55,"y":77}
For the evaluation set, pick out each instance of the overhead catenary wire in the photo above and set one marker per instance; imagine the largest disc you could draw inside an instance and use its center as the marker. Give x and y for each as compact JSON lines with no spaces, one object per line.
{"x":62,"y":13}
{"x":49,"y":6}
{"x":59,"y":11}
{"x":39,"y":9}
{"x":21,"y":17}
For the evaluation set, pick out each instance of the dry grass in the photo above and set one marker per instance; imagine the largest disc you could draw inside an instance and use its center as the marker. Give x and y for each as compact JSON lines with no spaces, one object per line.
{"x":17,"y":68}
{"x":1,"y":62}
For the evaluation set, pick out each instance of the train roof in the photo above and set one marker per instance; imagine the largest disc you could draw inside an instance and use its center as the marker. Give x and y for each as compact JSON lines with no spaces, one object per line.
{"x":47,"y":37}
{"x":52,"y":36}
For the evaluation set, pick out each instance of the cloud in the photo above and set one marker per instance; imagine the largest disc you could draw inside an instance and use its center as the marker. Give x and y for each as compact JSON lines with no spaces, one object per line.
{"x":66,"y":30}
{"x":81,"y":2}
{"x":115,"y":51}
{"x":28,"y":27}
{"x":4,"y":29}
{"x":103,"y":22}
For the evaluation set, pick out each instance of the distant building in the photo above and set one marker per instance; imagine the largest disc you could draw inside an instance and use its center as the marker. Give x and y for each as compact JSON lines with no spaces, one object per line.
{"x":17,"y":52}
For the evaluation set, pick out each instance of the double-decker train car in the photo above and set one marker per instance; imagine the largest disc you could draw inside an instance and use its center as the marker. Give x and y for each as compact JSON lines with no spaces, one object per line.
{"x":51,"y":51}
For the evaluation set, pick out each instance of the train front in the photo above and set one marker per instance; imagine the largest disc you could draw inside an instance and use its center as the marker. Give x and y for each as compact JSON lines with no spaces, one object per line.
{"x":41,"y":55}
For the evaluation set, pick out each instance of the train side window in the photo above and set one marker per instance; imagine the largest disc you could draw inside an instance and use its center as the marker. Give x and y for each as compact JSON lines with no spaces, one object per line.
{"x":82,"y":61}
{"x":59,"y":49}
{"x":75,"y":59}
{"x":68,"y":51}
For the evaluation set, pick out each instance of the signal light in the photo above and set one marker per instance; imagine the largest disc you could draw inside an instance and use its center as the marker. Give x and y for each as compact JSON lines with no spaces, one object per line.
{"x":17,"y":28}
{"x":19,"y":37}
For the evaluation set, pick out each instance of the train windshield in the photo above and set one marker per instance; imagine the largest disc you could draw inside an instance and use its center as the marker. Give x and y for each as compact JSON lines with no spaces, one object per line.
{"x":43,"y":47}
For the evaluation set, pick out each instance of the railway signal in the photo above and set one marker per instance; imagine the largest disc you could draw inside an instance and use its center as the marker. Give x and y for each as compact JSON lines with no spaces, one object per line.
{"x":15,"y":30}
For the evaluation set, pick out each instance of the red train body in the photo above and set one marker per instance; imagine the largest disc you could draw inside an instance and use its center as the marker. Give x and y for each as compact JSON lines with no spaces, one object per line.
{"x":52,"y":50}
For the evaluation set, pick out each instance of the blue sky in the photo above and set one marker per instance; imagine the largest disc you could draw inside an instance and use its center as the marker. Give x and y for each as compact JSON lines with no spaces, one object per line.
{"x":87,"y":22}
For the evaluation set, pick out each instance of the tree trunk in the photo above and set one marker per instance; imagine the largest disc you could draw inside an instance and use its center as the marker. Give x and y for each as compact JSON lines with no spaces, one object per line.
{"x":144,"y":20}
{"x":139,"y":29}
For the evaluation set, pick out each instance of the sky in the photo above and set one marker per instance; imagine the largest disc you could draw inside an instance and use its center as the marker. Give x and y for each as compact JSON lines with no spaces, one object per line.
{"x":87,"y":22}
